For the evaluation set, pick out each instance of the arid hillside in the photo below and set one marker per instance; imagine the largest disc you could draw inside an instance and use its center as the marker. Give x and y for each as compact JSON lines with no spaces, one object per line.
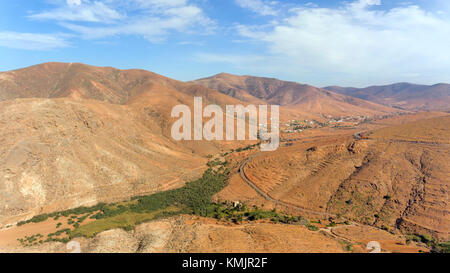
{"x":80,"y":81}
{"x":402,"y":181}
{"x":187,"y":234}
{"x":403,"y":95}
{"x":395,"y":178}
{"x":301,"y":98}
{"x":77,"y":135}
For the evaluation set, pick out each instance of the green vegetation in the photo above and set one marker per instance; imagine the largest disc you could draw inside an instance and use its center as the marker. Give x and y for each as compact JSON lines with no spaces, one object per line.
{"x":249,"y":147}
{"x":227,"y":212}
{"x":194,"y":198}
{"x":441,"y":247}
{"x":224,"y":211}
{"x":82,"y":218}
{"x":127,"y":221}
{"x":433,"y":244}
{"x":246,"y":148}
{"x":331,"y":224}
{"x":31,"y":240}
{"x":312,"y":227}
{"x":419,"y":238}
{"x":66,"y":213}
{"x":216,"y":162}
{"x":35,"y":219}
{"x":346,"y":246}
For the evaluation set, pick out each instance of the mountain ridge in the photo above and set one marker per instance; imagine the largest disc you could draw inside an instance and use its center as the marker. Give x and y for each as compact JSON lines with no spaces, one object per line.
{"x":75,"y":135}
{"x":403,"y":95}
{"x":306,"y":99}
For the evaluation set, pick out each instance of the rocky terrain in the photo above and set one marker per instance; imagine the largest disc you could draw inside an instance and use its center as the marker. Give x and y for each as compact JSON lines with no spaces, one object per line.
{"x":396,"y":179}
{"x":75,"y":136}
{"x":186,"y":234}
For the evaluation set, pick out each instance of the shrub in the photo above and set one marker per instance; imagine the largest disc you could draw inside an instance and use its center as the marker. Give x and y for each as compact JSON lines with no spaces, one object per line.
{"x":312,"y":227}
{"x":441,"y":247}
{"x":39,"y":218}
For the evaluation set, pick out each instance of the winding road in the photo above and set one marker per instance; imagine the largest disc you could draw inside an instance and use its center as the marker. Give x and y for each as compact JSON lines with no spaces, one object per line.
{"x":276,"y":201}
{"x":328,"y":230}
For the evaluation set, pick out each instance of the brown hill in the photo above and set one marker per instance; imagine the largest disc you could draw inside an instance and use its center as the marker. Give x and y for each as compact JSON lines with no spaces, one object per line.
{"x":403,"y":95}
{"x":397,"y":179}
{"x":191,"y":234}
{"x":80,"y":81}
{"x":74,"y":134}
{"x":302,"y":98}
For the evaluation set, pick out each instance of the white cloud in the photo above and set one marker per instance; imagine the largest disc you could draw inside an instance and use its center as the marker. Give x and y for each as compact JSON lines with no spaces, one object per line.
{"x":73,"y":2}
{"x":31,"y":41}
{"x":152,"y":19}
{"x":358,"y":43}
{"x":82,"y":12}
{"x":373,"y":2}
{"x":159,"y":3}
{"x":152,"y":28}
{"x":258,"y":6}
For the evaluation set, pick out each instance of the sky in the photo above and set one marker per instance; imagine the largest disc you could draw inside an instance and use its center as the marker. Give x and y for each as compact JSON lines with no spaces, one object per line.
{"x":348,"y":43}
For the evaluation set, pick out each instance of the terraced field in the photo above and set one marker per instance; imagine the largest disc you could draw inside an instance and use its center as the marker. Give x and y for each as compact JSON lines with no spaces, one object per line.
{"x":396,"y":180}
{"x":299,"y":175}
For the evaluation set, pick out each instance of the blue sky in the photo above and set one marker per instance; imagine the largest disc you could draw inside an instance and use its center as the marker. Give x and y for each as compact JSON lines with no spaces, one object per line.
{"x":349,"y":43}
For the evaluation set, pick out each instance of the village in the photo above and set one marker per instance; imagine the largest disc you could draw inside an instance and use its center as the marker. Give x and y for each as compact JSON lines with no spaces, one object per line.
{"x":298,"y":126}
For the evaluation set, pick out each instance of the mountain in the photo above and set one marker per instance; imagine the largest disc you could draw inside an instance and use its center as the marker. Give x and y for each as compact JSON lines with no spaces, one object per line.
{"x":395,"y":179}
{"x":403,"y":95}
{"x":301,"y":98}
{"x":80,"y":81}
{"x":75,"y":135}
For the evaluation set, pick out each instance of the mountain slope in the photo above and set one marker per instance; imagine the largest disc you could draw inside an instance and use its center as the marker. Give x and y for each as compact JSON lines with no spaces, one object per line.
{"x":302,"y":98}
{"x":403,"y":95}
{"x":75,"y":135}
{"x":80,"y":81}
{"x":396,"y":179}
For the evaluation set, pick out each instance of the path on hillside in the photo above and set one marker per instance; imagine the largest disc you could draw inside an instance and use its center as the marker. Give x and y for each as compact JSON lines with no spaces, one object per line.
{"x":282,"y":203}
{"x":412,"y":142}
{"x":276,"y":201}
{"x":327,"y":230}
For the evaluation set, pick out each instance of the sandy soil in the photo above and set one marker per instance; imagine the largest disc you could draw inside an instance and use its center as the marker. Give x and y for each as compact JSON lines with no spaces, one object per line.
{"x":9,"y":236}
